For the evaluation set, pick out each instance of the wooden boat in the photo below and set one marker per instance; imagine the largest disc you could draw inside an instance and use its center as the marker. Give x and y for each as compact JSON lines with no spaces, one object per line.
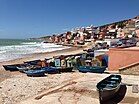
{"x":33,"y":62}
{"x":22,"y":69}
{"x":12,"y":67}
{"x":66,"y":69}
{"x":91,"y":69}
{"x":109,"y":87}
{"x":28,"y":67}
{"x":51,"y":70}
{"x":35,"y":73}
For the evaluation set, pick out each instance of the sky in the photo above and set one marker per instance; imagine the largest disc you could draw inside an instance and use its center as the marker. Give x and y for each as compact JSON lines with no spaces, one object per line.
{"x":36,"y":18}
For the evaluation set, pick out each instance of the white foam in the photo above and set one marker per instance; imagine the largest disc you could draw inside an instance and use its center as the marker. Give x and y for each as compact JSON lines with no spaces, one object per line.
{"x":18,"y":51}
{"x":29,"y":43}
{"x":2,"y":51}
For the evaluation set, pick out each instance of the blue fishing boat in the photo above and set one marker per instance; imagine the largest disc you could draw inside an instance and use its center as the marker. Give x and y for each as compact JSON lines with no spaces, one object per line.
{"x":109,"y":87}
{"x":12,"y":67}
{"x":91,"y":69}
{"x":35,"y":73}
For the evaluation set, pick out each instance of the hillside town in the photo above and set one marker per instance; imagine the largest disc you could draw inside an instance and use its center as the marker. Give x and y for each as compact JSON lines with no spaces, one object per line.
{"x":118,"y":30}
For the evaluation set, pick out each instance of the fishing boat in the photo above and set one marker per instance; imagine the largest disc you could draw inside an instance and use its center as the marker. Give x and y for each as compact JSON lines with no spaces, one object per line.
{"x":28,"y":67}
{"x":51,"y":70}
{"x":12,"y":67}
{"x":91,"y":69}
{"x":35,"y":73}
{"x":22,"y":69}
{"x":66,"y":69}
{"x":108,"y":88}
{"x":33,"y":62}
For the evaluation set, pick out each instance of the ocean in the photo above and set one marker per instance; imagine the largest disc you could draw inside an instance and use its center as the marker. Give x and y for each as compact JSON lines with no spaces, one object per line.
{"x":11,"y":49}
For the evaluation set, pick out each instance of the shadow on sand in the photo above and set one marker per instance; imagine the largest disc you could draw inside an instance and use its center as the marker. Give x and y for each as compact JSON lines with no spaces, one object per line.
{"x":118,"y":97}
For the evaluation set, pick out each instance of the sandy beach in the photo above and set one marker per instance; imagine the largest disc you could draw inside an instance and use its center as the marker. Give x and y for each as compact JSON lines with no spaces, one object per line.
{"x":72,"y":50}
{"x":64,"y":88}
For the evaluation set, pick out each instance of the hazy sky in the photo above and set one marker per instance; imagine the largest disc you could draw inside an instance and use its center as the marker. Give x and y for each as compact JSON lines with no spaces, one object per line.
{"x":35,"y":18}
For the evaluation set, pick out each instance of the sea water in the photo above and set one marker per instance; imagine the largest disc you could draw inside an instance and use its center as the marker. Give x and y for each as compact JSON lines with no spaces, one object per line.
{"x":11,"y":49}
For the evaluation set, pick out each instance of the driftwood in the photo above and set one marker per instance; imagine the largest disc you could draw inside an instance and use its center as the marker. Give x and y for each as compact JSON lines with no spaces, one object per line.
{"x":57,"y":88}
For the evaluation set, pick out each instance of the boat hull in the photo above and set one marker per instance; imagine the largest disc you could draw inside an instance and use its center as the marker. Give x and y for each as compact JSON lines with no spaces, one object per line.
{"x":35,"y":73}
{"x":28,"y":67}
{"x":11,"y":67}
{"x":107,"y":95}
{"x":66,"y":69}
{"x":109,"y":88}
{"x":91,"y":69}
{"x":33,"y":62}
{"x":51,"y":70}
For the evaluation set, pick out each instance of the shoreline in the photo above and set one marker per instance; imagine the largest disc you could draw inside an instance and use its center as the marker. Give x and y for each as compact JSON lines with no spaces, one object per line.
{"x":6,"y":74}
{"x":43,"y":55}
